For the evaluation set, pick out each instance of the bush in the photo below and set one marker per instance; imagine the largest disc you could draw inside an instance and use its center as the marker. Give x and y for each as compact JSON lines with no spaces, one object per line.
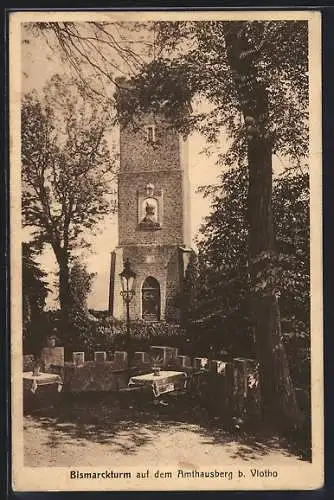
{"x":84,"y":333}
{"x":89,"y":332}
{"x":42,"y":326}
{"x":34,"y":335}
{"x":145,"y":334}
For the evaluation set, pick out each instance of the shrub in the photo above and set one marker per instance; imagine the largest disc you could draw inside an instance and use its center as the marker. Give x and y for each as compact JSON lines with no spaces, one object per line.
{"x":145,"y":334}
{"x":88,"y":333}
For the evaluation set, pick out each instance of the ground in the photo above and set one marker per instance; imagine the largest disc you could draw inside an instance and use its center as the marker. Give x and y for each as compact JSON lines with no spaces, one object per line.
{"x":100,"y":430}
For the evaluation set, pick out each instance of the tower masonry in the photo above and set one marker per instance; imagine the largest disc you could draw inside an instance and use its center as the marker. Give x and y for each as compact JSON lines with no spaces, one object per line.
{"x":153,"y":218}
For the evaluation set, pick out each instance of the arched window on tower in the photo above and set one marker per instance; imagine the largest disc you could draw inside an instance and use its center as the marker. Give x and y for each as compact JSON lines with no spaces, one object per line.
{"x":151,"y":299}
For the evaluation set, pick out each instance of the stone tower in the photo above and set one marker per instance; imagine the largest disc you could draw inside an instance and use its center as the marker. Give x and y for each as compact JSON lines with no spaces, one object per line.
{"x":153,"y":218}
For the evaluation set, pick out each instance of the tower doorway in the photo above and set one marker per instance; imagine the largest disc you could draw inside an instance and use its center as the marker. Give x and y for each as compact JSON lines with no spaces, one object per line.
{"x":151,"y":300}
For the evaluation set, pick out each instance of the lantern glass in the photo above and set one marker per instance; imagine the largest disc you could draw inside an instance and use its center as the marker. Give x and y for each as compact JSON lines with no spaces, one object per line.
{"x":127,"y":277}
{"x":124,"y":283}
{"x":131,"y":281}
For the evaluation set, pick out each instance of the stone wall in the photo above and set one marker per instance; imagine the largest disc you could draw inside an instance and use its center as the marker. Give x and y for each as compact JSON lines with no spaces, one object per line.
{"x":228,"y":389}
{"x":152,"y":249}
{"x":136,"y":153}
{"x":159,"y":261}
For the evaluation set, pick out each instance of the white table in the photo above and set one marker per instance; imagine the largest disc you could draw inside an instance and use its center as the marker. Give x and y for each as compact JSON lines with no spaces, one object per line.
{"x":32,"y":382}
{"x":166,"y":381}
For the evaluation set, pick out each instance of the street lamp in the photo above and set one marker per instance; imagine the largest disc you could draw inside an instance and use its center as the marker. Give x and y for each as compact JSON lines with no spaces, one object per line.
{"x":127,"y":280}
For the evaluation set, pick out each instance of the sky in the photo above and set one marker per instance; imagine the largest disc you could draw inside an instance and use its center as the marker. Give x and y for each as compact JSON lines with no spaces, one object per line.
{"x":39,"y":64}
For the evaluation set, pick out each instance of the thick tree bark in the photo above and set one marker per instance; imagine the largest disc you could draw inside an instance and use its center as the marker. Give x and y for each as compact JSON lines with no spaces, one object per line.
{"x":64,"y":280}
{"x":277,"y":391}
{"x":65,"y":299}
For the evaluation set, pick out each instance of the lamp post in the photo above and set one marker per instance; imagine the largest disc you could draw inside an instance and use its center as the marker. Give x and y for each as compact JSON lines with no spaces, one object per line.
{"x":127,"y":280}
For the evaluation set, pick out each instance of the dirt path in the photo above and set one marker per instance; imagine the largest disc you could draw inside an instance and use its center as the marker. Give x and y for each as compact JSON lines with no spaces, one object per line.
{"x":100,"y":434}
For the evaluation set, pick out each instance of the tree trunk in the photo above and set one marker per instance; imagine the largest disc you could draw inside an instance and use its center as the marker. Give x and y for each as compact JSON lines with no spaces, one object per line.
{"x":65,"y":299}
{"x":277,"y":391}
{"x":64,"y":281}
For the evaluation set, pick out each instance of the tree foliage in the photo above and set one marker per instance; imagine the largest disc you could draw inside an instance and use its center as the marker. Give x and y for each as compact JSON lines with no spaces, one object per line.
{"x":254,"y":76}
{"x":66,"y":170}
{"x":175,"y":64}
{"x":34,"y":294}
{"x":189,"y":293}
{"x":96,"y":53}
{"x":194,"y":68}
{"x":224,"y":279}
{"x":80,"y":284}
